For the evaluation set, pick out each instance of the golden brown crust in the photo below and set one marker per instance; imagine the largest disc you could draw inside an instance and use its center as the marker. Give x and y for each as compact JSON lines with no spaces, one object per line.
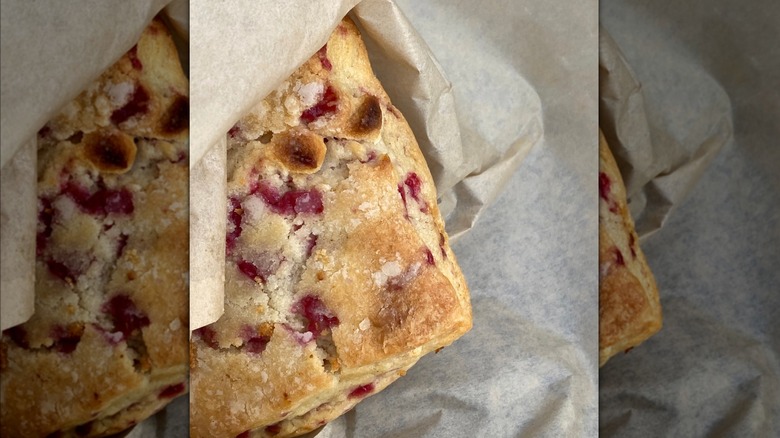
{"x":629,"y":306}
{"x":339,"y":275}
{"x":298,"y":152}
{"x":109,"y":151}
{"x":107,"y":344}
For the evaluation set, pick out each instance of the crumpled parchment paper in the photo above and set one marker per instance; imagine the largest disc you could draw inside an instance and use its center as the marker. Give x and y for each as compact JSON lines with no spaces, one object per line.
{"x":697,"y":130}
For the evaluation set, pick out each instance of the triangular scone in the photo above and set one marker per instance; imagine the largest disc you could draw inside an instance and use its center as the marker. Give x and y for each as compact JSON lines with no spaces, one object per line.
{"x":629,"y":307}
{"x":339,"y":275}
{"x":107,"y":345}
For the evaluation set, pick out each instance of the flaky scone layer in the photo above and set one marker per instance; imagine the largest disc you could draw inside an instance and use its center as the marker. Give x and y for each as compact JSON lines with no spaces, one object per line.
{"x":339,"y":275}
{"x":629,"y":306}
{"x":107,"y":345}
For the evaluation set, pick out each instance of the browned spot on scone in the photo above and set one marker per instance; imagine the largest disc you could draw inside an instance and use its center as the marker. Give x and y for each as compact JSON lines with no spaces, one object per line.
{"x":265,"y":329}
{"x":266,"y":137}
{"x":299,"y":152}
{"x":193,"y":357}
{"x":110,"y":152}
{"x":177,"y":116}
{"x":76,"y":138}
{"x":368,"y":118}
{"x":3,"y":356}
{"x":332,"y":363}
{"x":624,"y":303}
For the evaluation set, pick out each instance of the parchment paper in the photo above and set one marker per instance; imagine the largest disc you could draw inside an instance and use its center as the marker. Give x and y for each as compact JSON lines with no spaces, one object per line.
{"x":709,"y":75}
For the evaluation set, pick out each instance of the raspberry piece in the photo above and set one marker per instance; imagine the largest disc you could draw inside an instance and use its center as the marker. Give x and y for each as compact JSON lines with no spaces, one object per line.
{"x":257,"y":344}
{"x":413,"y":182}
{"x":254,"y":342}
{"x":319,"y":317}
{"x":250,"y":270}
{"x":362,"y":391}
{"x":604,"y":185}
{"x":67,"y":344}
{"x":619,"y":257}
{"x":117,"y":201}
{"x":45,"y":218}
{"x":311,"y":241}
{"x":632,"y":244}
{"x":370,"y":156}
{"x":441,"y":245}
{"x":121,"y":244}
{"x":323,"y":55}
{"x":235,"y":214}
{"x":138,"y":104}
{"x":208,"y":336}
{"x":102,"y":202}
{"x":125,"y":316}
{"x":19,"y":335}
{"x":260,"y":267}
{"x":177,"y":116}
{"x":66,"y":340}
{"x":172,"y":391}
{"x":429,"y":257}
{"x":61,"y":271}
{"x":273,"y":429}
{"x":302,"y":338}
{"x":291,"y":202}
{"x":302,"y":201}
{"x":134,"y":61}
{"x":402,"y":192}
{"x":415,"y":189}
{"x":328,"y":104}
{"x":45,"y":131}
{"x":84,"y":429}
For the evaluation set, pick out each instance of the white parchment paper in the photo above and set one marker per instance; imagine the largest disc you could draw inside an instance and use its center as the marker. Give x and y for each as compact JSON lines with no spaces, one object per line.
{"x":710,"y":92}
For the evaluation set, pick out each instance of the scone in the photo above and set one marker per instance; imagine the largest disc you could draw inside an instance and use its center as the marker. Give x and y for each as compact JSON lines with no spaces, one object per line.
{"x":339,"y":275}
{"x":629,"y":307}
{"x":107,"y":346}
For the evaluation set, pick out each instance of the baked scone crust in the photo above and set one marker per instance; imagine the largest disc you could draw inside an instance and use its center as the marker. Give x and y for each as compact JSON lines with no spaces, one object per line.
{"x":107,"y":345}
{"x":629,"y":305}
{"x":339,"y":275}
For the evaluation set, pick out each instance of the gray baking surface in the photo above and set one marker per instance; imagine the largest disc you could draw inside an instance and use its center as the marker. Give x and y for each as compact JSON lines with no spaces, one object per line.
{"x":714,"y":368}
